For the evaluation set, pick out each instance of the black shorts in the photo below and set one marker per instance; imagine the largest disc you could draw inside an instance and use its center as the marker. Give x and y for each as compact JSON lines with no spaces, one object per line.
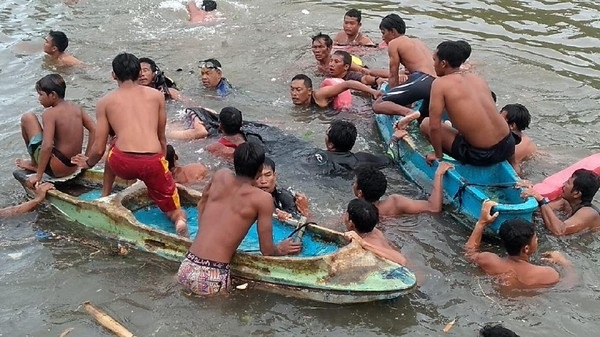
{"x":417,"y":87}
{"x":467,"y":154}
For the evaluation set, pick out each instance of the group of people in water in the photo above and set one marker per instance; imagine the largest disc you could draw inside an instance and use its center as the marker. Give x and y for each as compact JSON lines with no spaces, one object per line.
{"x":458,"y":115}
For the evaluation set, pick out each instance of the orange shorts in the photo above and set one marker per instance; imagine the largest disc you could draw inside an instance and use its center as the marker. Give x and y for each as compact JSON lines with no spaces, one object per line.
{"x":153,"y":170}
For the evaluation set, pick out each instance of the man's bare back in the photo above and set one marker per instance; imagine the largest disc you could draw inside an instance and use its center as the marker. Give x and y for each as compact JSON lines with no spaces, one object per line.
{"x":412,"y":53}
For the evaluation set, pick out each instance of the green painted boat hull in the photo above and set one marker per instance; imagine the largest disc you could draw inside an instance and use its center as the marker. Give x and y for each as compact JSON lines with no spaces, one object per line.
{"x":349,"y":275}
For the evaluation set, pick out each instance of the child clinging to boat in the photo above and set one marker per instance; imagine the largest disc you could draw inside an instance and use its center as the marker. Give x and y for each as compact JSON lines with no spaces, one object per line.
{"x":360,"y":219}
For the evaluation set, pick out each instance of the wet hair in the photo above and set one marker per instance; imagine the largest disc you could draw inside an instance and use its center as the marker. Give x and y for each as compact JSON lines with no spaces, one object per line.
{"x":354,"y":13}
{"x":516,"y":234}
{"x":393,"y":22}
{"x":269,"y":163}
{"x":518,"y":114}
{"x":52,"y":83}
{"x":59,"y":40}
{"x":213,"y":61}
{"x":160,"y":81}
{"x":342,"y":135}
{"x":494,"y":97}
{"x":363,"y":214}
{"x":326,"y":38}
{"x":496,"y":331}
{"x":466,"y":48}
{"x":151,"y":62}
{"x":587,"y":183}
{"x":126,"y":67}
{"x":248,"y":159}
{"x":346,"y":57}
{"x":171,"y":156}
{"x":209,"y":5}
{"x":231,"y":120}
{"x":306,"y":79}
{"x":453,"y":52}
{"x":371,"y":182}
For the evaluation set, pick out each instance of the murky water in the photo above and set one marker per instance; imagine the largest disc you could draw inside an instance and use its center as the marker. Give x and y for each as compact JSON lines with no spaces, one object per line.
{"x":544,"y":54}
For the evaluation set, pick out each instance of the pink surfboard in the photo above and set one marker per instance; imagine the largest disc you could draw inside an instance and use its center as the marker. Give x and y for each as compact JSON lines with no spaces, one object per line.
{"x":551,"y":187}
{"x":341,"y":101}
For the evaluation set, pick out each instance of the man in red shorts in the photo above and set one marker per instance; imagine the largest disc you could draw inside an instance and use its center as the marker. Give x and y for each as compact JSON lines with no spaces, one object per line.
{"x":137,"y":116}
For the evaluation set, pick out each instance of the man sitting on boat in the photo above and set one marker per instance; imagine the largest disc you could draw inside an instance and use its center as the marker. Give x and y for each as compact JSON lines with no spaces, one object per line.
{"x":339,"y":158}
{"x":302,"y":93}
{"x":576,"y":201}
{"x":230,"y":204}
{"x":137,"y":116}
{"x":287,"y":204}
{"x":52,"y":147}
{"x":361,"y":218}
{"x":230,"y":123}
{"x":370,"y":184}
{"x":517,"y":116}
{"x":520,"y":241}
{"x":478,"y":135}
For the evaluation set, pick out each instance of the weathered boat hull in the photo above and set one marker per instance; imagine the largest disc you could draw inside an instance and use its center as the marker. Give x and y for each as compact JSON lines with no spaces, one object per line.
{"x":349,"y":275}
{"x":466,"y":186}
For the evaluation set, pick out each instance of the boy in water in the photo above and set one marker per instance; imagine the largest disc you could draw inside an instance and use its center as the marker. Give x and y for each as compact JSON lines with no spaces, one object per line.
{"x":137,"y":116}
{"x":517,"y":116}
{"x":230,"y":120}
{"x":520,"y":241}
{"x":361,"y":217}
{"x":230,"y":204}
{"x":202,"y":14}
{"x":55,"y":45}
{"x":52,"y":147}
{"x":351,"y":35}
{"x":186,"y":174}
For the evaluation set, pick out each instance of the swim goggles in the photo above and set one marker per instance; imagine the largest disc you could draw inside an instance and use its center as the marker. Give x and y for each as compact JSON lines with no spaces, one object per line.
{"x":209,"y":65}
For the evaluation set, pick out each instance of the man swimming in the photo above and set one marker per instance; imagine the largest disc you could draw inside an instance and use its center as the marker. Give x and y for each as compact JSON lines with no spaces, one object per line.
{"x":152,"y":76}
{"x":414,"y":55}
{"x":339,"y":67}
{"x":136,"y":115}
{"x":204,"y":13}
{"x":230,"y":204}
{"x":61,"y":137}
{"x":576,"y":201}
{"x":211,"y":75}
{"x":55,"y":45}
{"x":184,"y":174}
{"x":478,"y":135}
{"x":230,"y":124}
{"x":302,"y":93}
{"x":517,"y":116}
{"x":520,"y":242}
{"x":351,"y":35}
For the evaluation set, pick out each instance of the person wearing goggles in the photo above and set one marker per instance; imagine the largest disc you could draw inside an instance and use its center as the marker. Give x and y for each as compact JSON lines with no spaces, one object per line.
{"x":211,"y":75}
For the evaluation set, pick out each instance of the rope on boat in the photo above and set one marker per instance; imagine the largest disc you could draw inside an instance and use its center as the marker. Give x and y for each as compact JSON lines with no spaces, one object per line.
{"x":463,"y":187}
{"x":299,"y":228}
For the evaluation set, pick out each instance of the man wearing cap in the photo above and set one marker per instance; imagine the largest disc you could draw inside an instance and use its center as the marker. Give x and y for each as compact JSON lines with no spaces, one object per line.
{"x":211,"y":75}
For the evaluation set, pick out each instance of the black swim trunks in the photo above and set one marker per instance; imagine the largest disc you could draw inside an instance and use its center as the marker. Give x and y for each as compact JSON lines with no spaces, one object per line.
{"x":467,"y":154}
{"x":417,"y":87}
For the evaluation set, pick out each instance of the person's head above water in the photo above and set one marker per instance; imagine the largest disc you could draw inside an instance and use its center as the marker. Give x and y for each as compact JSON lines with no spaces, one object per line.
{"x":516,"y":115}
{"x":321,"y":46}
{"x":361,"y":216}
{"x":211,"y":73}
{"x":267,"y":180}
{"x":339,"y":63}
{"x":126,"y":67}
{"x":391,"y":27}
{"x":55,"y":42}
{"x":301,"y":89}
{"x":369,"y":184}
{"x":248,"y":159}
{"x":496,"y":331}
{"x":341,"y":136}
{"x":519,"y":237}
{"x":582,"y":185}
{"x":449,"y":56}
{"x":230,"y":120}
{"x":171,"y":156}
{"x":352,"y":22}
{"x":148,"y":73}
{"x":208,"y":5}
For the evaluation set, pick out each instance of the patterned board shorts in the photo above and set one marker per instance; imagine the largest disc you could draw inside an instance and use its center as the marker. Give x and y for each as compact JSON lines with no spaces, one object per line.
{"x":204,"y":277}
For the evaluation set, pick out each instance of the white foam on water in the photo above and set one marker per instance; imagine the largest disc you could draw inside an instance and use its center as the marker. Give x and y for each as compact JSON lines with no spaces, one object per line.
{"x":175,"y":5}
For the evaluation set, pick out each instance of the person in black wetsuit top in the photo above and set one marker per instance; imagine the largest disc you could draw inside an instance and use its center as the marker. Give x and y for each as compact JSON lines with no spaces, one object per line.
{"x":152,"y":76}
{"x":577,"y":195}
{"x":287,"y":203}
{"x":339,"y":158}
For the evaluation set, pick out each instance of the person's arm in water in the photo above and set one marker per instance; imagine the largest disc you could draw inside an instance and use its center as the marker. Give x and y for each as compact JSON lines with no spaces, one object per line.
{"x":90,"y":125}
{"x":329,"y":92}
{"x":28,"y":206}
{"x":99,"y":144}
{"x":489,"y":262}
{"x":436,"y":106}
{"x":265,"y":229}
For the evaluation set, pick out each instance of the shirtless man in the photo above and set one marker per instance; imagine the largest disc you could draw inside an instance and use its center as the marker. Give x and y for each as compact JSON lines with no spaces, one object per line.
{"x":479,"y":135}
{"x":202,"y":14}
{"x":321,"y":48}
{"x":576,"y":201}
{"x":520,"y":241}
{"x":302,"y":93}
{"x":339,"y":67}
{"x":517,"y":116}
{"x":370,"y":184}
{"x":361,"y":217}
{"x":351,"y":35}
{"x":137,"y":116}
{"x":414,"y":55}
{"x":52,"y":147}
{"x":230,"y":204}
{"x":184,"y":174}
{"x":55,"y":45}
{"x":230,"y":124}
